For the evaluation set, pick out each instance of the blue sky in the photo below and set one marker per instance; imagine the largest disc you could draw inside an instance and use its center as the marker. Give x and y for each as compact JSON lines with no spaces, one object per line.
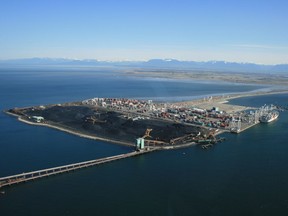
{"x":201,"y":30}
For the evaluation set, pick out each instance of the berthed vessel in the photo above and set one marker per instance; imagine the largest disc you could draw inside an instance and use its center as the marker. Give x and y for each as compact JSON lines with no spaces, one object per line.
{"x":269,"y":117}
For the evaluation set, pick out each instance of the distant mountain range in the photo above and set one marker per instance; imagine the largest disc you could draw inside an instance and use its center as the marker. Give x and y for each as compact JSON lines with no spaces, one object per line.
{"x":151,"y":64}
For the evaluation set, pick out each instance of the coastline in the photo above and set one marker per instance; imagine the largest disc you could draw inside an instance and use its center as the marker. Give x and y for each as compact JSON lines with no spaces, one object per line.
{"x":219,"y":99}
{"x":206,"y":75}
{"x":70,"y":131}
{"x":98,"y":138}
{"x":258,"y":93}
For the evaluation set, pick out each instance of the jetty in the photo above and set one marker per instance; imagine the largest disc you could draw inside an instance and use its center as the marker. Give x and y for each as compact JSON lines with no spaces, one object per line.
{"x":25,"y":177}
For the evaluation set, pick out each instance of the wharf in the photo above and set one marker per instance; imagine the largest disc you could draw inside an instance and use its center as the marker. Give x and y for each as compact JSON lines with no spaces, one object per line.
{"x":244,"y":127}
{"x":247,"y":126}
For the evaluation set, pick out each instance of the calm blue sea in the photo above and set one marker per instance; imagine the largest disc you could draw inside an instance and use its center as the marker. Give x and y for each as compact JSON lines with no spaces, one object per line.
{"x":245,"y":175}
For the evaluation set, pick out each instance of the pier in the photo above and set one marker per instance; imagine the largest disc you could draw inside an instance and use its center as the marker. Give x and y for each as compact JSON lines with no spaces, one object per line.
{"x":24,"y":177}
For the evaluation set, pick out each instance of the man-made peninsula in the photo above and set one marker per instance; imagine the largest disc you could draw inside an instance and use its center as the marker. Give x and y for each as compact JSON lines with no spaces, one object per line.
{"x":145,"y":124}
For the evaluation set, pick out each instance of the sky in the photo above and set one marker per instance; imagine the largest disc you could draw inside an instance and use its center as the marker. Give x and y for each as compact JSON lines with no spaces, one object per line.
{"x":254,"y":31}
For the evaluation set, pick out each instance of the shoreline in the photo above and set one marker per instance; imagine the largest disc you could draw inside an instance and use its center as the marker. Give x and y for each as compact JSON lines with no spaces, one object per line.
{"x":210,"y":76}
{"x":220,"y":99}
{"x":99,"y":138}
{"x":77,"y":133}
{"x":70,"y":131}
{"x":258,"y":93}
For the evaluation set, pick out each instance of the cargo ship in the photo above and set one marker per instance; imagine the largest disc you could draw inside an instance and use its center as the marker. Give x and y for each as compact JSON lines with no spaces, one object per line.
{"x":271,"y":116}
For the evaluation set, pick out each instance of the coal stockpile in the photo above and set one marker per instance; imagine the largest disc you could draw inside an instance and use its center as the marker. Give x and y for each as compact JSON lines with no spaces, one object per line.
{"x":100,"y":122}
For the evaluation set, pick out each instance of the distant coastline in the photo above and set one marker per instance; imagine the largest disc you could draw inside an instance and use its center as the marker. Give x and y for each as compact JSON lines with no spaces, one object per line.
{"x":162,"y":68}
{"x":213,"y":76}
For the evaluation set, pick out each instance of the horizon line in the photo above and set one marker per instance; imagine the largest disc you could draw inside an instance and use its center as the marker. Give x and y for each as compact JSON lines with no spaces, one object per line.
{"x":137,"y":60}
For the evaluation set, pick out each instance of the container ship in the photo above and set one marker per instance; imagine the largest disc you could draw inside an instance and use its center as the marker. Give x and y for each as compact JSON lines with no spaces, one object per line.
{"x":271,"y":116}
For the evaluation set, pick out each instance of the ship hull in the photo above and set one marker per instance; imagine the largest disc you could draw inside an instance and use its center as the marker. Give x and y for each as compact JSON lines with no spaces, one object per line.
{"x":269,"y":117}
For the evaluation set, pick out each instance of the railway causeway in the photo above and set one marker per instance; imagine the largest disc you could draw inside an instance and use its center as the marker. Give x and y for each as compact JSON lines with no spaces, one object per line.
{"x":25,"y":177}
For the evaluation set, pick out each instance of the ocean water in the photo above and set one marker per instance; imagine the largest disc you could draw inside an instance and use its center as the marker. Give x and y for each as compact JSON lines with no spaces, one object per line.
{"x":245,"y":175}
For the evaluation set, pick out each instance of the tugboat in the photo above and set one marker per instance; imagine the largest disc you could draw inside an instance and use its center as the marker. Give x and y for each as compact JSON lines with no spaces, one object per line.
{"x":269,"y":117}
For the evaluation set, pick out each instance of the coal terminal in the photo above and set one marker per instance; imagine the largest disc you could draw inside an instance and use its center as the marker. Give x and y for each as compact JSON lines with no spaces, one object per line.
{"x":114,"y":126}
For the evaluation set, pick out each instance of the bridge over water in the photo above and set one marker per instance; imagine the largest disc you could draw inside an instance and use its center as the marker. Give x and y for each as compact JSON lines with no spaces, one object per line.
{"x":24,"y":177}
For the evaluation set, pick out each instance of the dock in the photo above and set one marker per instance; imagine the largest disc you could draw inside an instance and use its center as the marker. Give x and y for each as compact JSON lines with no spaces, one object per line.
{"x":25,"y":177}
